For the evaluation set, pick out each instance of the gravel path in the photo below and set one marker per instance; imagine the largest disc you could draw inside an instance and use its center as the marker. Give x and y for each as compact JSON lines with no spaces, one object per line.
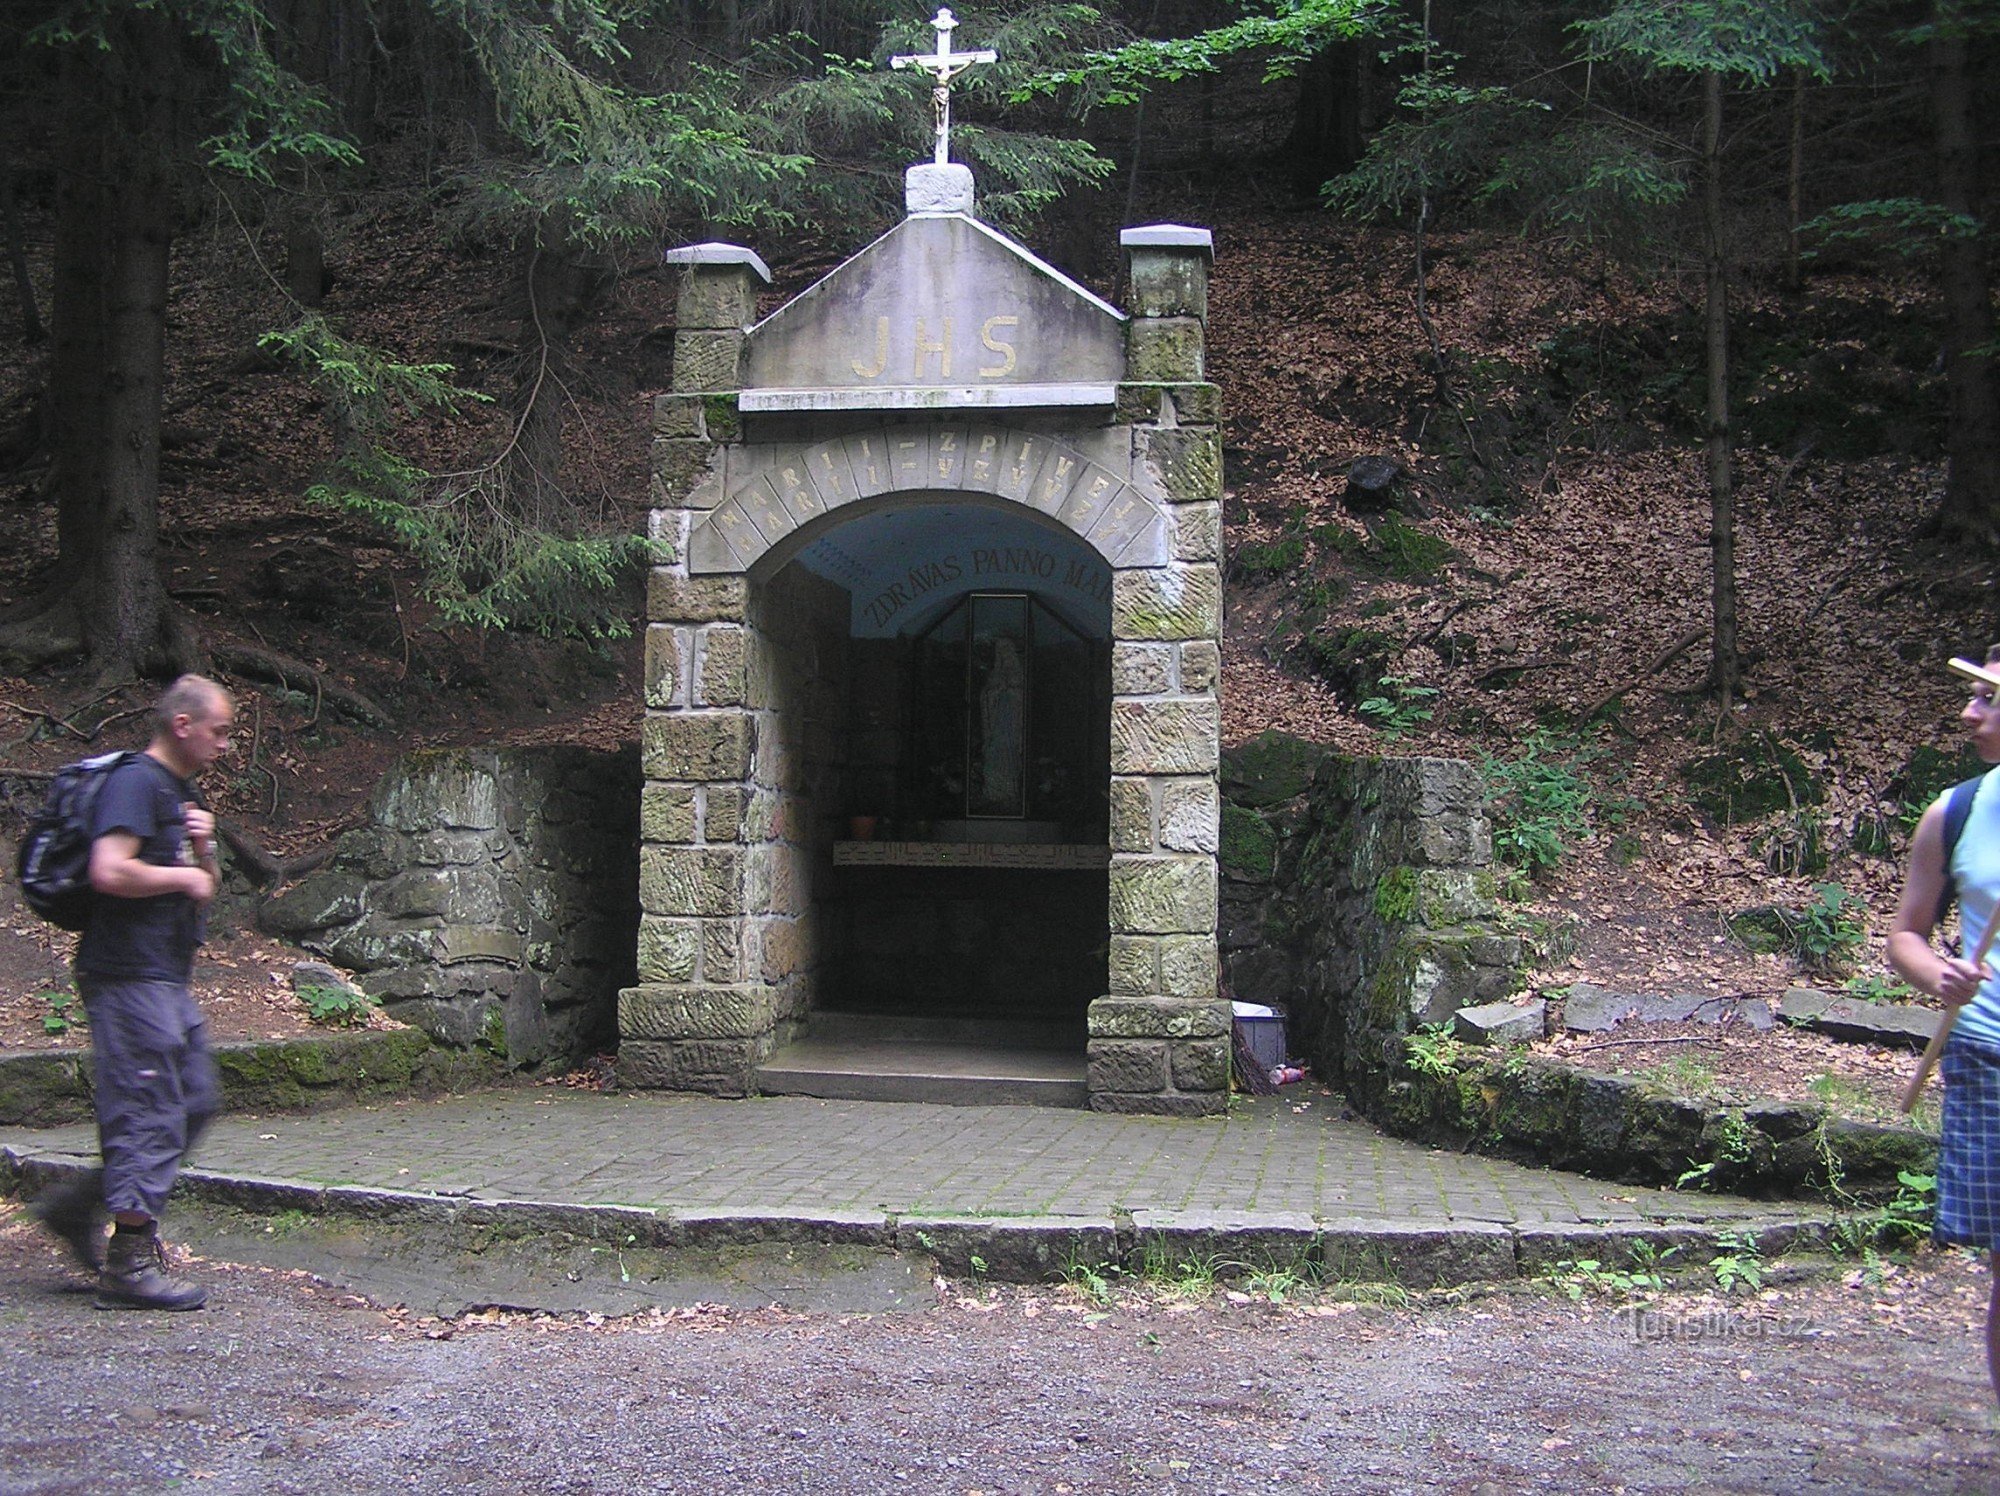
{"x":289,"y":1385}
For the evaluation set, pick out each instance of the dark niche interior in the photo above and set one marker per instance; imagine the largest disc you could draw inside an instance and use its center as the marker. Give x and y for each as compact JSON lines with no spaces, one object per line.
{"x":952,"y":761}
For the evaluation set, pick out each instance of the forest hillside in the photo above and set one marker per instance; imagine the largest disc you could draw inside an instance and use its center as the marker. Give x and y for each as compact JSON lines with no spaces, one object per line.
{"x":1477,"y":528}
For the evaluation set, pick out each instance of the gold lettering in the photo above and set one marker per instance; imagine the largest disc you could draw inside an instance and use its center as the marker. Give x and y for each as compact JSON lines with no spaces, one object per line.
{"x":982,"y":460}
{"x":924,"y":345}
{"x":1057,"y":481}
{"x":909,"y":459}
{"x":881,"y":352}
{"x":1017,"y":475}
{"x":798,"y":493}
{"x":868,"y":460}
{"x":947,"y":449}
{"x":998,"y":345}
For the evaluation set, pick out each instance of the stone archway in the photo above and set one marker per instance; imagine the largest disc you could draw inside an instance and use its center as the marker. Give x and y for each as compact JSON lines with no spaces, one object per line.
{"x":1081,"y":481}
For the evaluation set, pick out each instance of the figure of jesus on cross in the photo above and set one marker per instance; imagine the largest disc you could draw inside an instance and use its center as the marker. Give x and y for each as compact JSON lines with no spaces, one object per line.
{"x":943,"y":65}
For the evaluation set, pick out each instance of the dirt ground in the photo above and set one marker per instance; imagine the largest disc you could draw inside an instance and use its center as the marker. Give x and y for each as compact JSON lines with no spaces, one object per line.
{"x":287,"y":1384}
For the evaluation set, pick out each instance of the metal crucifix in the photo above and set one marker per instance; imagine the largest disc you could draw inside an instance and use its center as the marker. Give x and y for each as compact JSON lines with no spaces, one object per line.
{"x":943,"y":65}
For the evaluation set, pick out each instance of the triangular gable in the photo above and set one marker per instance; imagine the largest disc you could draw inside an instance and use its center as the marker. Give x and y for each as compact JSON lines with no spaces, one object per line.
{"x":941,"y":311}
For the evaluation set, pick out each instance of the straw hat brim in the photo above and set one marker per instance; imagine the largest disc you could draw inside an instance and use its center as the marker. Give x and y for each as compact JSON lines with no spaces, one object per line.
{"x":1976,"y":671}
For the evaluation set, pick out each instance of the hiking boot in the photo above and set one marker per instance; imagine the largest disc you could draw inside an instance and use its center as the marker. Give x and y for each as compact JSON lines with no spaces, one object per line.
{"x":135,"y":1275}
{"x":74,"y":1211}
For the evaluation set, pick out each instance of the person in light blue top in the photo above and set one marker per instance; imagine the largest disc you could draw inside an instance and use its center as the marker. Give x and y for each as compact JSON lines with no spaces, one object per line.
{"x":1968,"y":1174}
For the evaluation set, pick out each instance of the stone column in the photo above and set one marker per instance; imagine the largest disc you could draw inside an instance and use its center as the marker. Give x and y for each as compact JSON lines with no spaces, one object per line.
{"x":1159,"y":1040}
{"x":696,"y":1021}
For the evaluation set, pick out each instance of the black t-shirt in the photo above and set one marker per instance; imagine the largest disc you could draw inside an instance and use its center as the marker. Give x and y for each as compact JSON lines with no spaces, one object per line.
{"x":150,"y":939}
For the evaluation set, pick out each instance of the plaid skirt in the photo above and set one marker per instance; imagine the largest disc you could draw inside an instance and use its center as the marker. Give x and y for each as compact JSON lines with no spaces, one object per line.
{"x":1968,"y":1170}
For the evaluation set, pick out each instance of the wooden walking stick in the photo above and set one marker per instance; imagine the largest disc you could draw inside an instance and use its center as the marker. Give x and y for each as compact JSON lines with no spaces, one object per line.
{"x":1936,"y":1047}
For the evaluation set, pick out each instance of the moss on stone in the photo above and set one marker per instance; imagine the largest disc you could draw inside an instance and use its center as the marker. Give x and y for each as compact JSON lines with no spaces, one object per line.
{"x":720,"y":417}
{"x":1249,"y":845}
{"x":1389,"y":991}
{"x":45,"y":1090}
{"x":1271,"y":768}
{"x":1396,"y":895}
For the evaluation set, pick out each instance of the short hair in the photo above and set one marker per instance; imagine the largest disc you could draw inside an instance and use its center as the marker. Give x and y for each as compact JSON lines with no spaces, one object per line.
{"x":1993,"y":654}
{"x":192,"y":696}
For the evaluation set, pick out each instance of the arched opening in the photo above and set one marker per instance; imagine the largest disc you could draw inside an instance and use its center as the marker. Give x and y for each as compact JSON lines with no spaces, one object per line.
{"x":931,"y":681}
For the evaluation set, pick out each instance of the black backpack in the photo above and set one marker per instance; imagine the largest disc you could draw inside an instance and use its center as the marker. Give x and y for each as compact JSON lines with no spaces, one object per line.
{"x":1957,"y":811}
{"x":53,"y":862}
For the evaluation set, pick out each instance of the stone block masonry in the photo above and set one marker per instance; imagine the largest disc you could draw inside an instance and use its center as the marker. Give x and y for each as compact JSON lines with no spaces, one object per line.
{"x":1358,"y":896}
{"x":492,"y":900}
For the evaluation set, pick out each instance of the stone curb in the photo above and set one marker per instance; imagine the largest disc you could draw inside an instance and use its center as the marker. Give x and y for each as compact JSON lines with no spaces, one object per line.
{"x":1031,"y":1249}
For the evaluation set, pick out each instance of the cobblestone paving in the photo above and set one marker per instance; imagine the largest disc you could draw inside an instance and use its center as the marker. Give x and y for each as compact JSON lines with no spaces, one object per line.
{"x":804,"y":1157}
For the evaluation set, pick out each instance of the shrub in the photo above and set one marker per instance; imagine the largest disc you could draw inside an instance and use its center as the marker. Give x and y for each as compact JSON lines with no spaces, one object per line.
{"x":336,"y":1007}
{"x":1539,"y":801}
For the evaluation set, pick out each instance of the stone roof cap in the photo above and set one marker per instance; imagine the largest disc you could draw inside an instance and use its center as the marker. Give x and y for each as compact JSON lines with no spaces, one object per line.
{"x":1168,"y":236}
{"x":719,"y":254}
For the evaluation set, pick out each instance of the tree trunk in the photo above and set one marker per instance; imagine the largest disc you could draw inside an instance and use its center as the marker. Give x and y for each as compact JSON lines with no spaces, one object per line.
{"x":17,"y":260}
{"x":1326,"y":135}
{"x":128,"y":605}
{"x":1795,"y":184}
{"x":1971,"y":507}
{"x":1724,"y":668}
{"x":115,"y":207}
{"x":48,"y":627}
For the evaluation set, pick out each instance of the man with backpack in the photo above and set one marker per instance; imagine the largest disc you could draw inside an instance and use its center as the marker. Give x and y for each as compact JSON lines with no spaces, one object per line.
{"x":153,"y":872}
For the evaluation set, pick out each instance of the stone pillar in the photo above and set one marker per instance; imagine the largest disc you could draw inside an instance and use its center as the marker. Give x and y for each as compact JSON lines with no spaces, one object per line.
{"x":697,"y":1020}
{"x":1159,"y":1040}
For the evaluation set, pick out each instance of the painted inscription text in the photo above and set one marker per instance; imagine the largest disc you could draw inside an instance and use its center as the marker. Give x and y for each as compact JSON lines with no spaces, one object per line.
{"x":931,"y":344}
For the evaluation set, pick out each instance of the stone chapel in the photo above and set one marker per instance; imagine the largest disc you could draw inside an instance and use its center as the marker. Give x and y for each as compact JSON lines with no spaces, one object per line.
{"x":930,"y":802}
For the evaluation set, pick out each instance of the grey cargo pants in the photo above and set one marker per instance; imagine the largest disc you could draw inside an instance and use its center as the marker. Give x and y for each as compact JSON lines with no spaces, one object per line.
{"x":156,"y":1085}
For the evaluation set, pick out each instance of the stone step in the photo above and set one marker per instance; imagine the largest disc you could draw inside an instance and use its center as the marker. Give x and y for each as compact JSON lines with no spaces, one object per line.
{"x":858,"y":1069}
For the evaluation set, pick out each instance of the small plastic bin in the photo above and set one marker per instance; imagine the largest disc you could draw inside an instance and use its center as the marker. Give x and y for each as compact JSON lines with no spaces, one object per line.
{"x":1263,"y":1030}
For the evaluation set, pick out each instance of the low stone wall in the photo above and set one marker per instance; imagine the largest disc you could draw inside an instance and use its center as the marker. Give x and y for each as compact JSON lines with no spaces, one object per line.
{"x":1358,"y":896}
{"x":51,"y":1088}
{"x":491,"y":900}
{"x":1618,"y":1127}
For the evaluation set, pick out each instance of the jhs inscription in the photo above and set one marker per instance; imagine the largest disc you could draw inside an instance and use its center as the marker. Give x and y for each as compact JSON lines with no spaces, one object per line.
{"x":932,"y":344}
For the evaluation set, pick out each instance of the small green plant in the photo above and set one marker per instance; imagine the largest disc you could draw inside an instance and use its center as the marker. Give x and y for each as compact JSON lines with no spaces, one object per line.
{"x":1732,"y":1146}
{"x":1649,"y":1260}
{"x":287,"y":1223}
{"x":336,"y":1007}
{"x":1908,"y":1215}
{"x":1182,"y":1277}
{"x":1277,"y":1285}
{"x":1433,"y":1050}
{"x":1089,"y":1278}
{"x":1740,"y":1263}
{"x":1878,"y":987}
{"x":1400,"y":706}
{"x":1581,"y":1275}
{"x":65,"y":1012}
{"x":1831,"y":928}
{"x":1539,"y":802}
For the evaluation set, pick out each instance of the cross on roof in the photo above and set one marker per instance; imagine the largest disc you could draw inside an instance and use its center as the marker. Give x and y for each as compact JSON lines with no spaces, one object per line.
{"x":943,"y":65}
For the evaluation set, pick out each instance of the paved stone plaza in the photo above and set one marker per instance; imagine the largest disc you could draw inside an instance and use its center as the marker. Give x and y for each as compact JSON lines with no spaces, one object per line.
{"x":1272,"y":1172}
